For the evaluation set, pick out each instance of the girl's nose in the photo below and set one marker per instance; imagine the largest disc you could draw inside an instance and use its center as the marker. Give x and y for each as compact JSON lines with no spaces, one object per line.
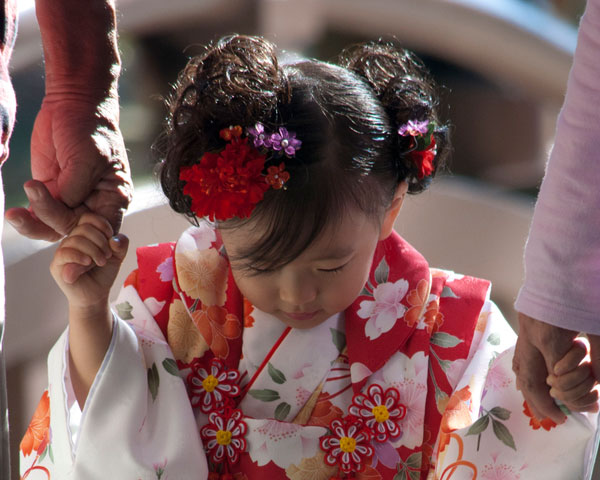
{"x":296,"y":290}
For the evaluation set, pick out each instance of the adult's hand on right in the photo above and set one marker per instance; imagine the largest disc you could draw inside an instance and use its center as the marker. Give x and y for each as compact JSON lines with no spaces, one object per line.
{"x":539,"y":347}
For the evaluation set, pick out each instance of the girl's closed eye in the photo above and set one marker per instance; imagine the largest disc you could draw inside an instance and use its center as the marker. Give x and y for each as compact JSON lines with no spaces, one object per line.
{"x":333,"y":270}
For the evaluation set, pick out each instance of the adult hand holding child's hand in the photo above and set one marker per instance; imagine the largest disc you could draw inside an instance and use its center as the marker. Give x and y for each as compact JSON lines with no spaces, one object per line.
{"x":538,"y":353}
{"x":78,"y":163}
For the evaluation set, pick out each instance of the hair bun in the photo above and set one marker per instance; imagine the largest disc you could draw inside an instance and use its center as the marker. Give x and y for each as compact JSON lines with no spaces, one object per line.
{"x":406,"y":90}
{"x":235,"y":81}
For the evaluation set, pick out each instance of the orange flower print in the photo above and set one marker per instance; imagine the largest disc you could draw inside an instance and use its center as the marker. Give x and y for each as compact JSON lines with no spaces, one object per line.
{"x":202,"y":274}
{"x":323,"y":413}
{"x":248,"y":318}
{"x":457,"y":415}
{"x":433,"y":317}
{"x":185,"y":339}
{"x":132,"y":279}
{"x":38,"y":433}
{"x":217,"y":325}
{"x":416,"y":299}
{"x":547,"y":424}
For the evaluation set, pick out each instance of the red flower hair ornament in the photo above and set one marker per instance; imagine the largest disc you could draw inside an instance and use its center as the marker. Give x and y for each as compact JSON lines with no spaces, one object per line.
{"x":423,"y":149}
{"x":230,"y":182}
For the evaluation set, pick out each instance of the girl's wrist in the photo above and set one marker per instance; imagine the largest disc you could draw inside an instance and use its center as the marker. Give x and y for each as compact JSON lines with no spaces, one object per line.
{"x":92,"y":314}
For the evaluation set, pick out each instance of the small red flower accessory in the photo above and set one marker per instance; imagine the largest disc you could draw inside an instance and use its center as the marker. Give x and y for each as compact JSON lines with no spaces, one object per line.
{"x":349,"y":445}
{"x":211,"y":391}
{"x":230,"y":182}
{"x":277,"y":176}
{"x":223,"y":436}
{"x":381,"y":411}
{"x":423,"y":147}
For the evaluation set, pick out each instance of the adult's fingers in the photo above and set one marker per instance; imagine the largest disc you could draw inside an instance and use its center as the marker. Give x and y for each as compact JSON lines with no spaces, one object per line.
{"x":29,"y":226}
{"x":49,"y":210}
{"x":531,"y":372}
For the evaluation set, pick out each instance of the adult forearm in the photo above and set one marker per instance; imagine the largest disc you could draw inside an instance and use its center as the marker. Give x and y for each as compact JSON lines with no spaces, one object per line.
{"x":563,"y":251}
{"x":80,"y":45}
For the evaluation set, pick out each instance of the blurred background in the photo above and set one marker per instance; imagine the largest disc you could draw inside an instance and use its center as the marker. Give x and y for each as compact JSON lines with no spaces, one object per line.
{"x":502,"y":67}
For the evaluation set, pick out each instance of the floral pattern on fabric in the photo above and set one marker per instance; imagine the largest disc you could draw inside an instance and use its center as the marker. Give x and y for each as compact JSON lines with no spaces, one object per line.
{"x":224,"y":436}
{"x":213,"y":388}
{"x":217,"y":326}
{"x":185,"y":339}
{"x":37,"y":438}
{"x":381,"y":411}
{"x":385,"y":309}
{"x":348,"y":446}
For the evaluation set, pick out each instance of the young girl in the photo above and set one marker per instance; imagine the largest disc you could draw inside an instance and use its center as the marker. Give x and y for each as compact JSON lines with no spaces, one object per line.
{"x":293,"y":334}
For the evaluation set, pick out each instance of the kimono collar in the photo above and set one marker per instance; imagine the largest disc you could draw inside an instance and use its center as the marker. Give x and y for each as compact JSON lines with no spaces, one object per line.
{"x":386,"y":313}
{"x":377,"y":323}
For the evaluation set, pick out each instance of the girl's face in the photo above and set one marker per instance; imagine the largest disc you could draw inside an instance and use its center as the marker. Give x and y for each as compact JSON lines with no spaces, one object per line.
{"x":324,"y":280}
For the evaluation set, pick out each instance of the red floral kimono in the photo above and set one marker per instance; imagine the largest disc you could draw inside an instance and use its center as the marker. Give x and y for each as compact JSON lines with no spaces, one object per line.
{"x":412,"y":381}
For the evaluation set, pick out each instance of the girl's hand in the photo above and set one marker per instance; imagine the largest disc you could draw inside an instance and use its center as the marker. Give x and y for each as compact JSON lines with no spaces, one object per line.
{"x":573,"y":382}
{"x":87,"y":261}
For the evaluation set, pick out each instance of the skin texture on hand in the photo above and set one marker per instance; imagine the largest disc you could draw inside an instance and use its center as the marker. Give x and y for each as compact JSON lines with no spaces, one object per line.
{"x":78,"y":159}
{"x":540,"y":347}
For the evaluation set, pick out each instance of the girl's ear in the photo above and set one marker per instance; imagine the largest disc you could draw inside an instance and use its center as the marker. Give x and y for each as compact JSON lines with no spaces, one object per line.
{"x":392,"y":211}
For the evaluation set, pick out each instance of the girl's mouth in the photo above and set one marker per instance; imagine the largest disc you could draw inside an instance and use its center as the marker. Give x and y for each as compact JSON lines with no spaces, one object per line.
{"x":302,"y":316}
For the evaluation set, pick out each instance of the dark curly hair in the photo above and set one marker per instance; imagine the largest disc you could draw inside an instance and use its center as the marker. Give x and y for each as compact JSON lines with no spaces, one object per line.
{"x":347,"y":116}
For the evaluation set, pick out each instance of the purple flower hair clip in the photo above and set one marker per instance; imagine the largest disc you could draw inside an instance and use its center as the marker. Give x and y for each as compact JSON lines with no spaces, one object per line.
{"x":285,"y":141}
{"x":414,"y":128}
{"x":259,"y":136}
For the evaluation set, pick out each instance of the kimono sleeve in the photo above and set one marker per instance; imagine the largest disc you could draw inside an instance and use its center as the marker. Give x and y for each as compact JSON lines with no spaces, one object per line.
{"x":487,"y":429}
{"x":137,"y":421}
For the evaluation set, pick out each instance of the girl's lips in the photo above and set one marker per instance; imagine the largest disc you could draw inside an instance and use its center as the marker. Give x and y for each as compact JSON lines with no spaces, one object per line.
{"x":302,"y":316}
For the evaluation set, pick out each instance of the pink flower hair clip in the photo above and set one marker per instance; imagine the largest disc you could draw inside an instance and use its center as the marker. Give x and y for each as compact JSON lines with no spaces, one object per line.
{"x":422,"y":148}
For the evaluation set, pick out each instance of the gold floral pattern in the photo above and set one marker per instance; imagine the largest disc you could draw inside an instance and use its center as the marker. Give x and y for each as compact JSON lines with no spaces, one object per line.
{"x":202,"y":274}
{"x":185,"y":339}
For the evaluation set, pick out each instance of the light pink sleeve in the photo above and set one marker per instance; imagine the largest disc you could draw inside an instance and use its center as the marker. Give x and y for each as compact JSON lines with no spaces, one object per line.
{"x":562,"y":256}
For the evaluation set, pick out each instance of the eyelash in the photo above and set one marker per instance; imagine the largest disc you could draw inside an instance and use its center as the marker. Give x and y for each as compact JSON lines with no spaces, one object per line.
{"x":333,"y":270}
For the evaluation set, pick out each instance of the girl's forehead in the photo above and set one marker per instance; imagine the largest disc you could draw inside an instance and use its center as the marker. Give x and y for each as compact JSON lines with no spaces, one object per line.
{"x":338,"y":240}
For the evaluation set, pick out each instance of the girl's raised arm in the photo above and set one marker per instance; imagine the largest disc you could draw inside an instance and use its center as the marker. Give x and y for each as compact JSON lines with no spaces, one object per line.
{"x":90,"y":245}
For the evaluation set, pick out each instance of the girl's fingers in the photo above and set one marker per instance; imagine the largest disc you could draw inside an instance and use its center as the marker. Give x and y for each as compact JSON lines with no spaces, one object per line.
{"x":573,"y":357}
{"x":98,"y":222}
{"x":587,"y":403}
{"x":119,"y":244}
{"x":574,"y":394}
{"x":571,"y":379}
{"x":86,"y":246}
{"x":70,"y":263}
